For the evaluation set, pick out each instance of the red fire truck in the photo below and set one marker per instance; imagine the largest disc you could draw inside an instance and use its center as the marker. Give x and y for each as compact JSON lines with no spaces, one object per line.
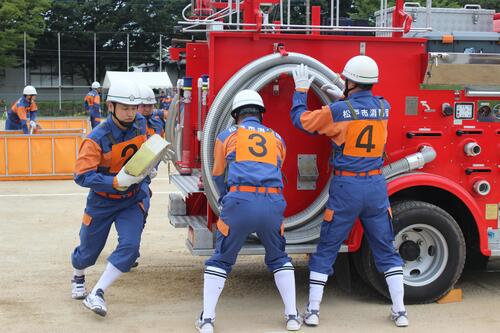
{"x":443,"y":150}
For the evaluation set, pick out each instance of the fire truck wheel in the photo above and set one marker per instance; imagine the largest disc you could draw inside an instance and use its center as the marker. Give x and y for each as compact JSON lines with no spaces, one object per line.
{"x":432,"y":247}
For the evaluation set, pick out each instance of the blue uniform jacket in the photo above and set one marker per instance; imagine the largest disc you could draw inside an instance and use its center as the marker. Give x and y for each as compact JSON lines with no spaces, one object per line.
{"x":248,"y":154}
{"x":19,"y":112}
{"x":356,"y":126}
{"x":100,"y":159}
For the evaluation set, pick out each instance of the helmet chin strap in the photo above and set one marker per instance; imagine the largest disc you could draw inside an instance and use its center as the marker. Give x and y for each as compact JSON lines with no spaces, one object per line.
{"x":346,"y":89}
{"x":123,"y":123}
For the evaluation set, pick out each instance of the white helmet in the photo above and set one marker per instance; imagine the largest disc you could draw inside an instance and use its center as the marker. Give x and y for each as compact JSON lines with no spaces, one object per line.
{"x":246,"y":97}
{"x":361,"y":69}
{"x":29,"y":90}
{"x":124,"y":92}
{"x":95,"y":85}
{"x":147,"y":94}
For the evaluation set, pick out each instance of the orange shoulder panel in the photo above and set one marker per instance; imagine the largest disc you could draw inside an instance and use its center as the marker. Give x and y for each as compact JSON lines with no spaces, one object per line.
{"x":219,"y":159}
{"x":21,"y":112}
{"x":321,"y":121}
{"x":89,"y":157}
{"x":281,"y":150}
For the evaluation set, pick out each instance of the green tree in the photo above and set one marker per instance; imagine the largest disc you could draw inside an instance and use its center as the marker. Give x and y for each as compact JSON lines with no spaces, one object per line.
{"x":111,"y":20}
{"x":17,"y":17}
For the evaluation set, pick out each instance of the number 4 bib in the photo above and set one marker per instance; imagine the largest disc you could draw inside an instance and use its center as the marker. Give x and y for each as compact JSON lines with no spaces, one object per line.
{"x":367,"y":137}
{"x":256,"y":146}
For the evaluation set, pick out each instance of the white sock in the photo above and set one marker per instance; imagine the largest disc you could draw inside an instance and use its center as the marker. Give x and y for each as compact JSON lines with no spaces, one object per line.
{"x":394,"y":278}
{"x":214,"y":279}
{"x":78,"y":272}
{"x":284,"y":277}
{"x":317,"y":282}
{"x":110,"y":274}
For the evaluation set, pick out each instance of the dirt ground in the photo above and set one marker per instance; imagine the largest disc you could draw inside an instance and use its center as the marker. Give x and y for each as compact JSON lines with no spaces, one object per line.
{"x":39,"y":223}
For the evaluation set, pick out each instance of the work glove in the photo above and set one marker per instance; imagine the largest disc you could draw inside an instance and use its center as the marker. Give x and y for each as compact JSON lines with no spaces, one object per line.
{"x":333,"y":91}
{"x":124,"y":180}
{"x":168,"y":156}
{"x":153,"y":173}
{"x":33,"y":124}
{"x":301,"y":77}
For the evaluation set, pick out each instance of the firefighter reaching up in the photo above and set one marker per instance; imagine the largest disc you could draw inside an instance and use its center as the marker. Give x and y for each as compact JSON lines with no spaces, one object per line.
{"x":24,"y":108}
{"x":357,"y":127}
{"x":247,"y":171}
{"x":114,"y":196}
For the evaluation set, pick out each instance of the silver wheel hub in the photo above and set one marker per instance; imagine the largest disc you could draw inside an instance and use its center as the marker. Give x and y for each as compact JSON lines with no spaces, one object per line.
{"x":424,"y":251}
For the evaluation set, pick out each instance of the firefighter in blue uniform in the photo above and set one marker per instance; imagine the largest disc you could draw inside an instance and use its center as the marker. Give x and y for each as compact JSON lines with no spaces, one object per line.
{"x":17,"y":116}
{"x":164,"y":100}
{"x":154,"y":124}
{"x":92,"y":104}
{"x":114,"y":196}
{"x":357,"y":127}
{"x":247,"y":171}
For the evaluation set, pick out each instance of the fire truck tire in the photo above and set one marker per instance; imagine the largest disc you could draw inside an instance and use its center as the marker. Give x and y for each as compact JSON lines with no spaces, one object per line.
{"x":432,"y":247}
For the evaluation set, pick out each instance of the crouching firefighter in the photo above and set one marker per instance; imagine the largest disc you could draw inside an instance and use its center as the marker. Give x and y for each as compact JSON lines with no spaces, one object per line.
{"x":247,"y":171}
{"x":114,"y":196}
{"x":357,"y":128}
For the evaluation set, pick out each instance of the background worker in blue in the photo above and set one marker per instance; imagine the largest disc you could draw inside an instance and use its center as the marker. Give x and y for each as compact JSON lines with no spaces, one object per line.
{"x":17,"y":116}
{"x":357,"y":127}
{"x":92,"y":104}
{"x":154,"y":124}
{"x":165,"y":100}
{"x":247,"y":170}
{"x":114,"y":196}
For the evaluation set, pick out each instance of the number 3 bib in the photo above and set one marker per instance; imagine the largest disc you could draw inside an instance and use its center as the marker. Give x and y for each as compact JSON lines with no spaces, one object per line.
{"x":255,"y":146}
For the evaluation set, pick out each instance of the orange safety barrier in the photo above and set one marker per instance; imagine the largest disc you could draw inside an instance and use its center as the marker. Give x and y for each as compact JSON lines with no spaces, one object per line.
{"x":50,"y":131}
{"x":52,"y":123}
{"x":40,"y":156}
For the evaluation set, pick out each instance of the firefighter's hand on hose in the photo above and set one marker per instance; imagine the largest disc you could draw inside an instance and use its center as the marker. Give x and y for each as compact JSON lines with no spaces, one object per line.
{"x":333,"y":91}
{"x":301,"y":77}
{"x":123,"y":180}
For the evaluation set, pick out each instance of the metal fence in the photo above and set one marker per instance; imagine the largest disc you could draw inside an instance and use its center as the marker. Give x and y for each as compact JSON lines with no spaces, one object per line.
{"x":62,"y":65}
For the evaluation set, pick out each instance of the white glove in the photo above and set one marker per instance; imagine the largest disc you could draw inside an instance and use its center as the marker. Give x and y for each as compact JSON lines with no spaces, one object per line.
{"x":32,"y":124}
{"x":168,"y":156}
{"x":153,"y":173}
{"x":333,"y":91}
{"x":301,"y":77}
{"x":124,"y":180}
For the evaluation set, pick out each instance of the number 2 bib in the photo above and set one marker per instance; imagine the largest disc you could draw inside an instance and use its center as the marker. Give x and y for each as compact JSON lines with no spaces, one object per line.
{"x":256,"y":146}
{"x":123,"y":151}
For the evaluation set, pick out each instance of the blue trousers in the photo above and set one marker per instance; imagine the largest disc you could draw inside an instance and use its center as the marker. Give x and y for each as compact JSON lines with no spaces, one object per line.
{"x":246,"y":213}
{"x":128,"y":217}
{"x":94,"y":122}
{"x":352,"y":197}
{"x":12,"y":126}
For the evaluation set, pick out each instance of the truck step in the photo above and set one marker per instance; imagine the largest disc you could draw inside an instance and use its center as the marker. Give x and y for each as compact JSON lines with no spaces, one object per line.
{"x":251,"y":248}
{"x":182,"y":221}
{"x":177,"y":205}
{"x":187,"y":184}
